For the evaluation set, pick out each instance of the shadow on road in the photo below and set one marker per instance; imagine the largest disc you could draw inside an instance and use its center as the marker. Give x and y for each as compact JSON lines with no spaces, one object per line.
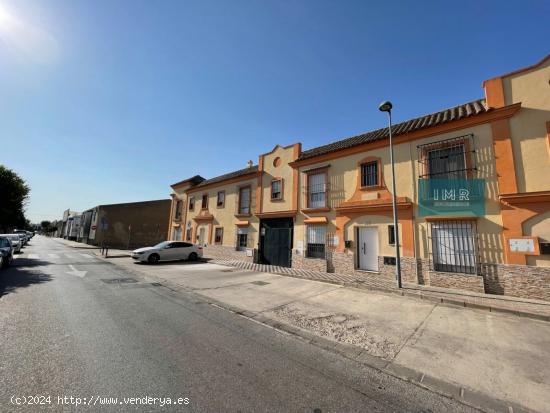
{"x":181,"y":262}
{"x":20,"y":275}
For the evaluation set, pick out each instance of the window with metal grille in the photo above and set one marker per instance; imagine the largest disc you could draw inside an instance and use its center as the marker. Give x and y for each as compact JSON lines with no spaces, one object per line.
{"x":276,"y":189}
{"x":454,"y":246}
{"x":316,"y":241}
{"x":191,"y":203}
{"x":179,"y":207}
{"x":369,"y":174}
{"x":188,"y":234}
{"x":242,"y":238}
{"x":391,"y":235}
{"x":218,"y":235}
{"x":317,"y":189}
{"x":244,"y":200}
{"x":204,"y":204}
{"x":220,"y":202}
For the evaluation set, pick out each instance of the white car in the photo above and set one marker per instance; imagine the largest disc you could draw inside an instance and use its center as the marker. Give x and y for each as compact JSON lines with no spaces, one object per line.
{"x":16,"y":242}
{"x":168,"y":251}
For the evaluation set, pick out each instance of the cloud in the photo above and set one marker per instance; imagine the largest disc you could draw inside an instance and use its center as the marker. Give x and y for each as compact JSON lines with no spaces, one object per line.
{"x":25,"y":39}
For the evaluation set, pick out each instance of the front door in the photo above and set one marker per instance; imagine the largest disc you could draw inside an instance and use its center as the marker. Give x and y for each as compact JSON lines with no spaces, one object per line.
{"x":276,"y":241}
{"x":202,"y":231}
{"x":367,"y":248}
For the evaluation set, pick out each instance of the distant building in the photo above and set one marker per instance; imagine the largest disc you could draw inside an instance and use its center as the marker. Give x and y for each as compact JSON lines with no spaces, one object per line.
{"x":129,"y":225}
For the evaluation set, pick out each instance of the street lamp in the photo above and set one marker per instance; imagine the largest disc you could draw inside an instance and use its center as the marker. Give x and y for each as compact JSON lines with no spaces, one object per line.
{"x":387,"y":107}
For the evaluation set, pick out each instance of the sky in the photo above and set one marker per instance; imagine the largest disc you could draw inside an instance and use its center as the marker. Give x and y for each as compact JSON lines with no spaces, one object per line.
{"x":110,"y":101}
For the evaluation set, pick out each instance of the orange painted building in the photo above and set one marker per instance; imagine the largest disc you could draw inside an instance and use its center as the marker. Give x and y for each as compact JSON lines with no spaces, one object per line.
{"x":329,"y":208}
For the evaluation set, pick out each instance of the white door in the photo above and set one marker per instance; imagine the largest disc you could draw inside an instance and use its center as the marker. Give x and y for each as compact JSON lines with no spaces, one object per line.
{"x":201,"y":236}
{"x":367,"y":248}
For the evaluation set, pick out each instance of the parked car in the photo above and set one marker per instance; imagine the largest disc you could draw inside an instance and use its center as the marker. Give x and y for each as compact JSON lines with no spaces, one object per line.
{"x":22,"y":232}
{"x":16,"y":242}
{"x":6,"y":250}
{"x":168,"y":251}
{"x":22,"y":238}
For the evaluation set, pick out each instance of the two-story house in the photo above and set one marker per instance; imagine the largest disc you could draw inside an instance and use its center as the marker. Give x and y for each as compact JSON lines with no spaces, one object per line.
{"x":473,"y":198}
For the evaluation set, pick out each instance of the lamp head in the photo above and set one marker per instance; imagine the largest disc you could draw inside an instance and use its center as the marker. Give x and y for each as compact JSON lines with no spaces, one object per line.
{"x":385,"y":106}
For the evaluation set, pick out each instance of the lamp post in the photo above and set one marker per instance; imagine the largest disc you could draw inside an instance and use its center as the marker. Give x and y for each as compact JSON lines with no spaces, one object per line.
{"x":387,"y":107}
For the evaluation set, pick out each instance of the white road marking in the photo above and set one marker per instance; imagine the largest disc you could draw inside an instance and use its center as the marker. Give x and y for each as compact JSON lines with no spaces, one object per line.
{"x":70,"y":256}
{"x":76,"y":272}
{"x":86,"y":256}
{"x":53,"y":255}
{"x":33,"y":256}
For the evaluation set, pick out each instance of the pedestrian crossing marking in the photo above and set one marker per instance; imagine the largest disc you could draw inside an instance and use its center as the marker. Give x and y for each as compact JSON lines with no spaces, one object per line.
{"x":33,"y":256}
{"x":53,"y":255}
{"x":86,"y":255}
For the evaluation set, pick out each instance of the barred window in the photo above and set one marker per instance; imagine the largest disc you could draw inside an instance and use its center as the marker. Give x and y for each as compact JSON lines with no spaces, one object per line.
{"x":447,"y":163}
{"x":369,"y":174}
{"x":242,"y":238}
{"x":244,"y":200}
{"x":188,"y":234}
{"x":276,"y":192}
{"x":218,"y":235}
{"x":453,"y":246}
{"x":316,"y":241}
{"x":220,"y":199}
{"x":179,"y":206}
{"x":316,"y":190}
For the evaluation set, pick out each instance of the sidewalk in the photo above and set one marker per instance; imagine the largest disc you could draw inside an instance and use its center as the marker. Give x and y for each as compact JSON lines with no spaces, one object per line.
{"x":492,"y":360}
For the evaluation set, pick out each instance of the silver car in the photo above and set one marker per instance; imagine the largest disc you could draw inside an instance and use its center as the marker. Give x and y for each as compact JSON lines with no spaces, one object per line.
{"x":6,"y":251}
{"x":168,"y":251}
{"x":16,"y":242}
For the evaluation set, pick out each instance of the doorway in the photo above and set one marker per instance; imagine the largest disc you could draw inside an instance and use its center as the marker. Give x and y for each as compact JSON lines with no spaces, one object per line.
{"x":367,"y":248}
{"x":276,"y":241}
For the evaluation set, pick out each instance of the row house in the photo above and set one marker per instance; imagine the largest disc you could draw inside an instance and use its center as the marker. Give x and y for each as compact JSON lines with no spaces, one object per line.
{"x":473,"y":198}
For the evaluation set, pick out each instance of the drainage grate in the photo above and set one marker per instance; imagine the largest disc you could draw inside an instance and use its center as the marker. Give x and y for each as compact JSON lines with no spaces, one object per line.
{"x":261,"y":283}
{"x":119,"y":280}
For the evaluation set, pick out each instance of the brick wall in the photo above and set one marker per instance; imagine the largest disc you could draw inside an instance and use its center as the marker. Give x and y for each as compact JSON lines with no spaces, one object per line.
{"x":344,"y":263}
{"x":517,"y":280}
{"x":314,"y":264}
{"x":223,"y":252}
{"x":457,"y":281}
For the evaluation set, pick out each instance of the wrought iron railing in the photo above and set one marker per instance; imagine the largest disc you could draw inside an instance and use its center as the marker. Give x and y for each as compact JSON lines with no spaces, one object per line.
{"x":452,"y":158}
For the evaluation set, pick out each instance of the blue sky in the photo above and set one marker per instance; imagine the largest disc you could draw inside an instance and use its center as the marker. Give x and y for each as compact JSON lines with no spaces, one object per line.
{"x":112,"y":101}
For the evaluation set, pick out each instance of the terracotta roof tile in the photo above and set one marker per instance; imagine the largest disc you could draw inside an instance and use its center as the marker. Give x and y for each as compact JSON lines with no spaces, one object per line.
{"x":458,"y":112}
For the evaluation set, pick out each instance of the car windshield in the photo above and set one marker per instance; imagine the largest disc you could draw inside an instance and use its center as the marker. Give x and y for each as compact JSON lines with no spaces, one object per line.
{"x":162,"y":244}
{"x":4,"y":243}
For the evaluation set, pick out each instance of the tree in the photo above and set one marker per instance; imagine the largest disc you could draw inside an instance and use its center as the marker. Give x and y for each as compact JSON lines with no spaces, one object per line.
{"x":14,"y":194}
{"x":46,"y":226}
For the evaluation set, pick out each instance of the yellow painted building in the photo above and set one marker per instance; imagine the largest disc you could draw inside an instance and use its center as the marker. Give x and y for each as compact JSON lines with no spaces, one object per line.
{"x":329,"y":208}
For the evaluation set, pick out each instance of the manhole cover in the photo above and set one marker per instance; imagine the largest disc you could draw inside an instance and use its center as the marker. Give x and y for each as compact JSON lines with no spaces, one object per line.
{"x":259,"y":283}
{"x":119,"y":280}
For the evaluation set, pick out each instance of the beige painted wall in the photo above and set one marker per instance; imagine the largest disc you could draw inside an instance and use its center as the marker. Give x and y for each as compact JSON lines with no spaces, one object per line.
{"x":225,"y":216}
{"x":528,"y":127}
{"x":272,"y":172}
{"x":343,"y":176}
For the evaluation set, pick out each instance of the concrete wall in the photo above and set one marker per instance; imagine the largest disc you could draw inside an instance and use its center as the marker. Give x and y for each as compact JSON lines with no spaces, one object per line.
{"x":148,"y":221}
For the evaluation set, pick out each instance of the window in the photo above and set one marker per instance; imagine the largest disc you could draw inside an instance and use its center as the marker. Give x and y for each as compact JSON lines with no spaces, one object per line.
{"x":244,"y":201}
{"x":220,"y":200}
{"x":369,"y":174}
{"x":316,"y":190}
{"x":447,"y":163}
{"x":179,"y":207}
{"x":242,"y":238}
{"x":277,"y":189}
{"x":316,"y":240}
{"x":218,"y":235}
{"x":176,"y":234}
{"x":453,"y":246}
{"x":188,"y":233}
{"x":391,"y":235}
{"x":191,"y":203}
{"x":204,"y":204}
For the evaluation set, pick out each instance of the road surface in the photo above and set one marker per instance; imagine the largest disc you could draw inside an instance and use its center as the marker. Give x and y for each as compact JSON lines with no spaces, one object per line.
{"x":75,"y":326}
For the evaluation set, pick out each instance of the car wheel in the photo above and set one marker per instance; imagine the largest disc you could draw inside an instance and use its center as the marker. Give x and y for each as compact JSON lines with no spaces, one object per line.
{"x":153,"y":259}
{"x":193,"y":256}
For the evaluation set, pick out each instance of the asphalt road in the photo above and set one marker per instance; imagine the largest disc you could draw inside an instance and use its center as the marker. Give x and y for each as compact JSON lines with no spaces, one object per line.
{"x":73,"y":325}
